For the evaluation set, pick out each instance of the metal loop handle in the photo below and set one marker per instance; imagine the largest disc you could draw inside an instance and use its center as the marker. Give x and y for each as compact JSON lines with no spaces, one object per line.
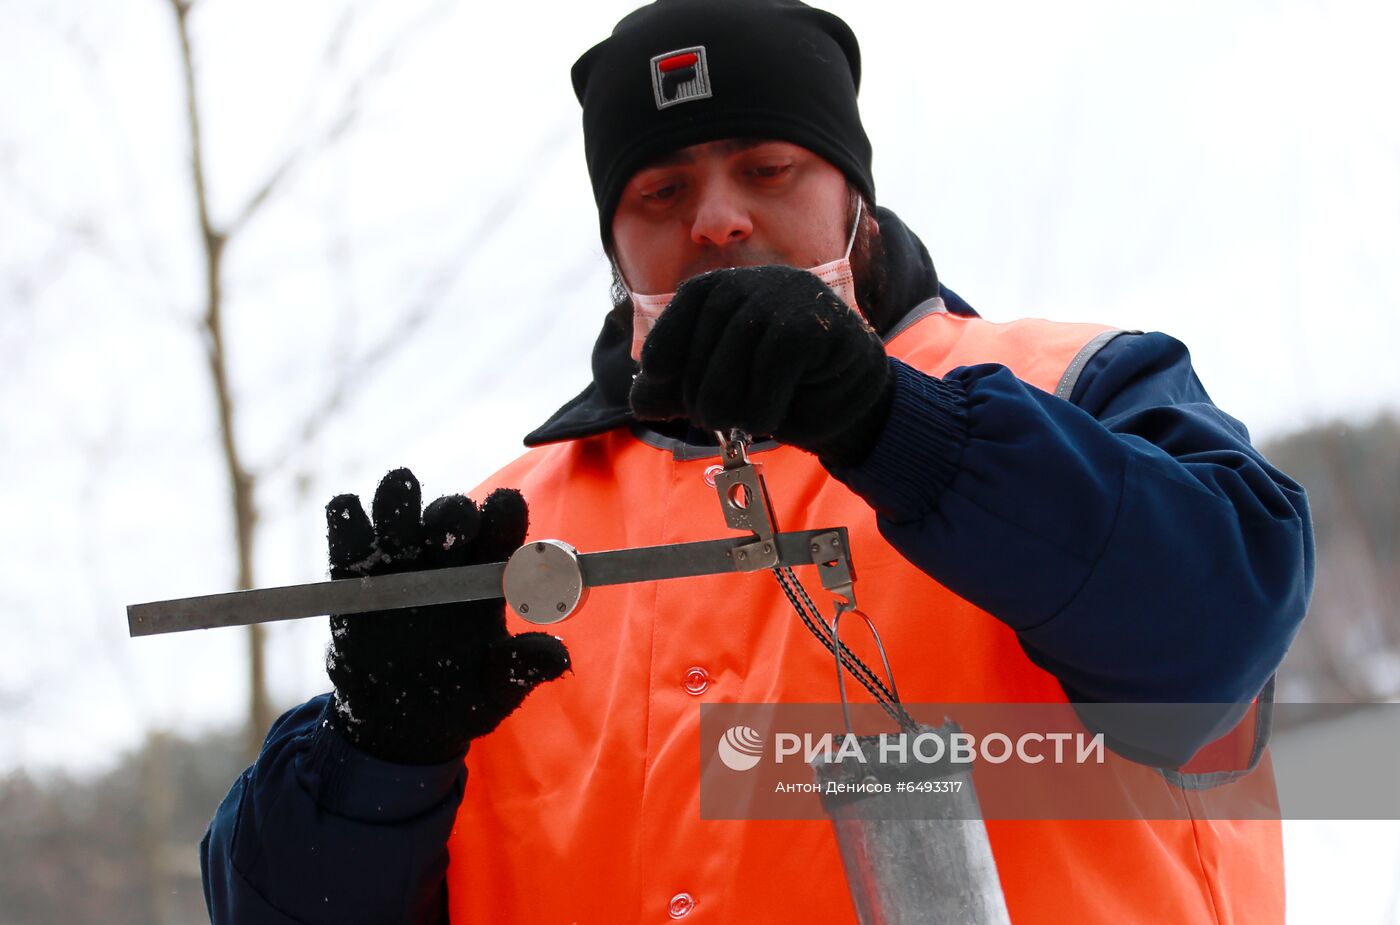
{"x":841,"y":675}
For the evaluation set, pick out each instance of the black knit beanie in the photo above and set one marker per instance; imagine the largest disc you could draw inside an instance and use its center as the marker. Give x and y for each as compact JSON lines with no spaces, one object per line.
{"x":683,"y":72}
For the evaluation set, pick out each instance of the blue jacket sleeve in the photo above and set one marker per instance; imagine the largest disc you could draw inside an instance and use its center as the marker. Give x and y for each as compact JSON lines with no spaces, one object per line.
{"x":1140,"y":547}
{"x":316,"y":831}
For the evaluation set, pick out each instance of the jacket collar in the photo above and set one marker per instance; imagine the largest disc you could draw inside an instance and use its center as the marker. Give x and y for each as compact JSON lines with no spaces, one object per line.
{"x":602,"y":405}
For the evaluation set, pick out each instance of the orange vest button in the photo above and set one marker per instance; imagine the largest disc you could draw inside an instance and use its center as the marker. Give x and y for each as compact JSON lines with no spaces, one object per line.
{"x":681,"y":904}
{"x":697,"y":681}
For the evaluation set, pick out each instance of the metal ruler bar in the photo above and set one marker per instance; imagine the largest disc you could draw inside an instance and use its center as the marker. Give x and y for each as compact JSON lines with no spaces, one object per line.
{"x":445,"y":586}
{"x":652,"y":563}
{"x":293,"y":602}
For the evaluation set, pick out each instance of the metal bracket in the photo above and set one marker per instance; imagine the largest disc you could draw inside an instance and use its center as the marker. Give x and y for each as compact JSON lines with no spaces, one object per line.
{"x":834,"y":567}
{"x":743,"y":496}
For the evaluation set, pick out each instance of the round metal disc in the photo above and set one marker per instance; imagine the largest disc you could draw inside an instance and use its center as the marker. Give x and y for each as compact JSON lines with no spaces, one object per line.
{"x":543,"y":581}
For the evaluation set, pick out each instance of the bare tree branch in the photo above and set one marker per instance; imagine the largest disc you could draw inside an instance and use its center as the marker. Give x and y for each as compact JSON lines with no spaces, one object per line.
{"x":346,"y":113}
{"x":347,"y":110}
{"x":241,"y":481}
{"x":77,"y":235}
{"x":215,"y":240}
{"x":426,"y":302}
{"x":289,"y":164}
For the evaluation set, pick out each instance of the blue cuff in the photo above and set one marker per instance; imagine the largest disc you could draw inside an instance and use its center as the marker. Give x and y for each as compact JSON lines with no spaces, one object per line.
{"x":355,"y":785}
{"x":920,"y":449}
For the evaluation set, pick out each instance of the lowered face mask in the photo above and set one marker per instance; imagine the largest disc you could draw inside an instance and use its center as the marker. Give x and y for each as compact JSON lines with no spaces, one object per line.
{"x":837,"y":275}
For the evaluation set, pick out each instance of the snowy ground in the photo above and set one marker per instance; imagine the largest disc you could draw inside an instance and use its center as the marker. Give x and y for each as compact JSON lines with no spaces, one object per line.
{"x":1342,"y":873}
{"x":1338,"y":873}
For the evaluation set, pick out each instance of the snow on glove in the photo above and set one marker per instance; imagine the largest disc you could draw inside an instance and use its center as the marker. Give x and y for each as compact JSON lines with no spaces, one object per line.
{"x":414,"y":686}
{"x":773,"y":351}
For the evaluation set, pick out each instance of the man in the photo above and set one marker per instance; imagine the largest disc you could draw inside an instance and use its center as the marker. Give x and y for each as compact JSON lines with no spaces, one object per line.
{"x":1040,"y":512}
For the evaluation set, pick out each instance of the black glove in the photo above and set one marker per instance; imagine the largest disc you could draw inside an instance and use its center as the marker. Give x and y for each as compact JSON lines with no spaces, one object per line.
{"x":772,"y":351}
{"x":414,"y":686}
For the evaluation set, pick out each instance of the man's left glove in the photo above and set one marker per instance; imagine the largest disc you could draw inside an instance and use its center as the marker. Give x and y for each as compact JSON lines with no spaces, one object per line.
{"x":772,"y":351}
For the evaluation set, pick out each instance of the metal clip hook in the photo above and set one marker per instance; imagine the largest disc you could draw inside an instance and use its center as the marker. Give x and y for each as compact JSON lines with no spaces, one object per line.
{"x":734,"y":447}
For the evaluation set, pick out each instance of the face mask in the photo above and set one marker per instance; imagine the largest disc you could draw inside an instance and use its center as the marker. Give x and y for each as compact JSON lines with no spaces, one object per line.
{"x":837,"y":274}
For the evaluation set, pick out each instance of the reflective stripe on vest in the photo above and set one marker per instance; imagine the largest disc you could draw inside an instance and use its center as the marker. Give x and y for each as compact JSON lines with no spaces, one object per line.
{"x":583,"y":806}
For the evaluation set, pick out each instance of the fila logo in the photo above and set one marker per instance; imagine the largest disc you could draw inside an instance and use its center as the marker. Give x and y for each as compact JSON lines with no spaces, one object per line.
{"x":680,"y":76}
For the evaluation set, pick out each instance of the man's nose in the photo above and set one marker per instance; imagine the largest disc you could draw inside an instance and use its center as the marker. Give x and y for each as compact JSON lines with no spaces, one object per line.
{"x":720,"y":218}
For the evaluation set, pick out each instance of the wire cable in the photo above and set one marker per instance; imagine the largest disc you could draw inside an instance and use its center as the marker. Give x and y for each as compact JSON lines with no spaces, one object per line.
{"x":797,"y":596}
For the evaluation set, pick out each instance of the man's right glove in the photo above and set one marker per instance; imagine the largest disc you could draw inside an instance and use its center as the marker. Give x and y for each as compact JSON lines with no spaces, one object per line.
{"x":415,"y":686}
{"x":772,"y":351}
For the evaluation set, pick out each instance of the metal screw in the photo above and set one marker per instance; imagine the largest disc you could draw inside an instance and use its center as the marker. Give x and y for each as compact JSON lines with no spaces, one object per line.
{"x":539,"y":547}
{"x":816,"y":548}
{"x":524,"y":608}
{"x":767,"y":547}
{"x":561,"y":606}
{"x":836,"y":542}
{"x":743,"y":555}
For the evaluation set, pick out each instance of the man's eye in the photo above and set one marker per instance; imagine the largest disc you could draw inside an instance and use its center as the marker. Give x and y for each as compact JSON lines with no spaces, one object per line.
{"x":771,"y":171}
{"x":662,"y":193}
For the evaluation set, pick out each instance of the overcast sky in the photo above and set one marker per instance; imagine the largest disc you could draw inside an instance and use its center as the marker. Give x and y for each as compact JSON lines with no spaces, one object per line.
{"x":1228,"y":173}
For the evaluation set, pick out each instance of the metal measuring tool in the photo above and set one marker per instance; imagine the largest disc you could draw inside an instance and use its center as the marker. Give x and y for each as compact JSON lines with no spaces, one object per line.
{"x":543,"y":581}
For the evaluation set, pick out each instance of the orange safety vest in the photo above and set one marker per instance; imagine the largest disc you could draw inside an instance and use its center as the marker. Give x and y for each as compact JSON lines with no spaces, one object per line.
{"x":584,"y":806}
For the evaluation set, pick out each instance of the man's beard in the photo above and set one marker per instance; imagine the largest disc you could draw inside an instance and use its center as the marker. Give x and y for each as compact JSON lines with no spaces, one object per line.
{"x":871,"y":271}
